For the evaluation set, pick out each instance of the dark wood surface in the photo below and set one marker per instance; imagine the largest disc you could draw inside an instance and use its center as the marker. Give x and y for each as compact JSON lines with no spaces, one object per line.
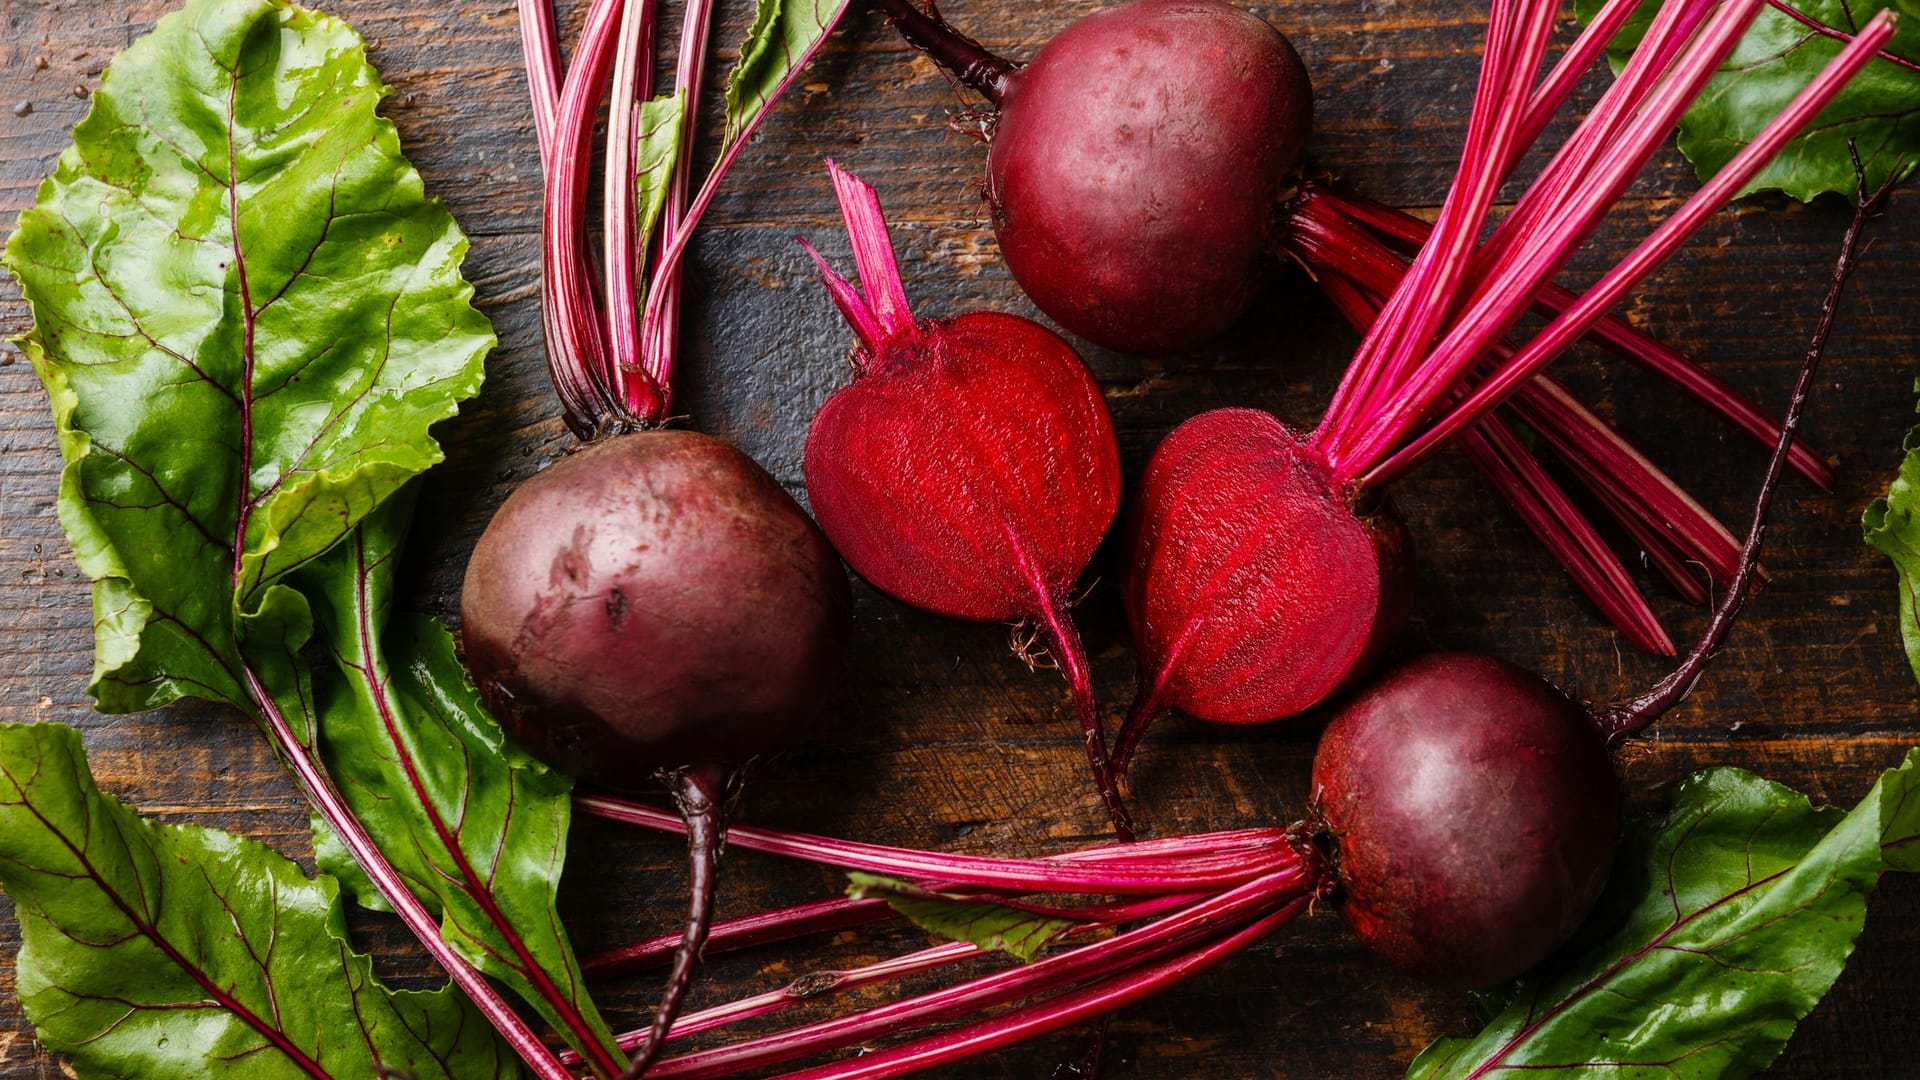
{"x":940,"y":737}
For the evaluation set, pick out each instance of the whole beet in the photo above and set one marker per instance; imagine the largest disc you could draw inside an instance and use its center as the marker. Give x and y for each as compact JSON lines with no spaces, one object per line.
{"x":1136,"y":165}
{"x":1473,"y":810}
{"x":653,"y":601}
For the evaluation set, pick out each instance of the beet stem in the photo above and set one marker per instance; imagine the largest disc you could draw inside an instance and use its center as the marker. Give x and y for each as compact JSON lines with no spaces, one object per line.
{"x":1651,"y":252}
{"x":1052,"y":1014}
{"x":572,"y":323}
{"x":1289,"y":892}
{"x":1612,"y":333}
{"x":632,"y":84}
{"x":1140,"y":717}
{"x":763,"y":928}
{"x":660,"y":323}
{"x":1151,"y":867}
{"x":701,"y":794}
{"x":821,"y":983}
{"x":981,"y":71}
{"x":1569,"y":201}
{"x":1627,"y":719}
{"x":542,"y":54}
{"x":303,"y":761}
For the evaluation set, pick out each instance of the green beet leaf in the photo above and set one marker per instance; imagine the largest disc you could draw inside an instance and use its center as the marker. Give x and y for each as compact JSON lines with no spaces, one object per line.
{"x":247,"y":314}
{"x":784,"y":36}
{"x":476,"y":826}
{"x":1890,"y":527}
{"x":1879,"y":110}
{"x":1019,"y":932}
{"x":1734,"y":915}
{"x":152,"y":951}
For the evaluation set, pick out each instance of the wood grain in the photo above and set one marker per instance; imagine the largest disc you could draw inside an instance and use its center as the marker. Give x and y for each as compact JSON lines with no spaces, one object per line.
{"x":940,"y":738}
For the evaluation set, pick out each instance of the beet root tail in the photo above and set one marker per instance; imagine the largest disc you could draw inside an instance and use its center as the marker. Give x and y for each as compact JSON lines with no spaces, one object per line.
{"x":701,"y":793}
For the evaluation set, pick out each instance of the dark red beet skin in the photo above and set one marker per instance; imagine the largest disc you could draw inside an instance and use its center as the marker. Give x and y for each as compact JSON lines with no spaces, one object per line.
{"x":1254,"y":589}
{"x":1473,"y":810}
{"x":970,"y":471}
{"x":653,"y":601}
{"x":1136,"y":164}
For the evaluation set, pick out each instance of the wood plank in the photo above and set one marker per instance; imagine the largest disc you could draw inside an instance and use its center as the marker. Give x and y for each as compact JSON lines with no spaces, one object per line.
{"x":940,"y":738}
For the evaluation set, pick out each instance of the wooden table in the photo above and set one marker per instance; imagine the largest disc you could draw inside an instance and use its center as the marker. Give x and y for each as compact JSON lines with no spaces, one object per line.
{"x":940,"y":738}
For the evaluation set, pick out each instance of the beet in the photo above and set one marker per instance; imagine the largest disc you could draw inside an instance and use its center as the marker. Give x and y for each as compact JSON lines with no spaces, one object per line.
{"x":1473,"y":811}
{"x":970,"y":468}
{"x":652,"y":601}
{"x":1136,"y":166}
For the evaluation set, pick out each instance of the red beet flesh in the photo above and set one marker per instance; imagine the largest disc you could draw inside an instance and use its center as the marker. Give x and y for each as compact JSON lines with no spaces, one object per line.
{"x":970,"y":471}
{"x":1473,"y":810}
{"x":653,"y":601}
{"x":1136,"y":164}
{"x":1254,"y":589}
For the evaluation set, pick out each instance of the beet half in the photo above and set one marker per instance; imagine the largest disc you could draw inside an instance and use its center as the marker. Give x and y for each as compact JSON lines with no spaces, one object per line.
{"x":1255,"y":589}
{"x":970,"y":468}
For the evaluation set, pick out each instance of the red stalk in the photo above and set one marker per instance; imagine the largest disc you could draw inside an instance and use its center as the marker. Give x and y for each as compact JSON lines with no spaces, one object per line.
{"x":332,"y":809}
{"x":1049,"y":1016}
{"x":1144,"y":868}
{"x":1258,"y":899}
{"x":1652,"y":251}
{"x":632,"y":69}
{"x":1532,"y":260}
{"x":1407,"y":233}
{"x":746,"y":932}
{"x":819,"y":984}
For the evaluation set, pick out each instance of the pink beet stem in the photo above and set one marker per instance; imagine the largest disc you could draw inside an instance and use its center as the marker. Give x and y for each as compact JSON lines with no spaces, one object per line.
{"x":542,"y":55}
{"x":1414,"y":311}
{"x":1256,"y":900}
{"x":1541,"y":504}
{"x":1532,"y":260}
{"x":819,"y":984}
{"x":660,"y":327}
{"x":570,"y":316}
{"x":1577,"y":434}
{"x":1145,"y":868}
{"x":873,"y":252}
{"x":1613,"y":333}
{"x":1547,"y":510}
{"x":1048,"y":1016}
{"x":632,"y":68}
{"x":746,"y":932}
{"x":1654,"y":250}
